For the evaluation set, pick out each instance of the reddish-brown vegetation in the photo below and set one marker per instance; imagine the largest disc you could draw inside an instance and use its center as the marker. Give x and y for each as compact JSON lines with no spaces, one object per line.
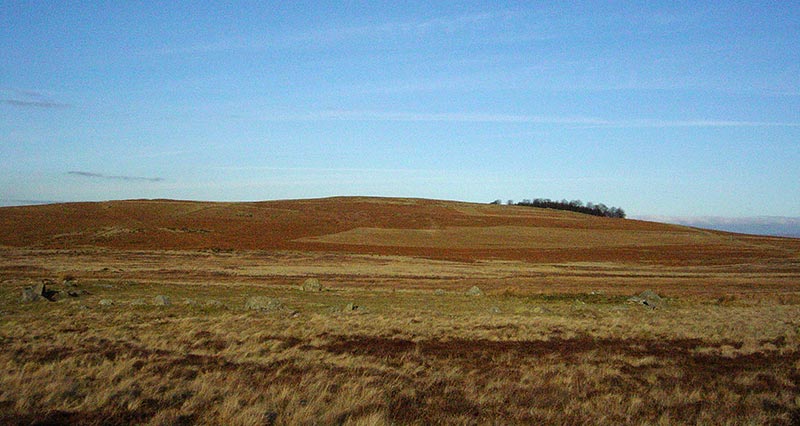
{"x":553,"y":340}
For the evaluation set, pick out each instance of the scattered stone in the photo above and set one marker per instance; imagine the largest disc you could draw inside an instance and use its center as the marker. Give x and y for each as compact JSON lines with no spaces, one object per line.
{"x":215,"y":304}
{"x":39,"y":292}
{"x":106,"y":302}
{"x":494,"y":310}
{"x":539,"y":310}
{"x":263,"y":303}
{"x":312,"y":284}
{"x":57,"y":296}
{"x":161,"y":300}
{"x":40,"y":289}
{"x":474,"y":291}
{"x":351,"y":307}
{"x":438,"y":292}
{"x":648,"y":298}
{"x":70,"y":282}
{"x":29,"y":294}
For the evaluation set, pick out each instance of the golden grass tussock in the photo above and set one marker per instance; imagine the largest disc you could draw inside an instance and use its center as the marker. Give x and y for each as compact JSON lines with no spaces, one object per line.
{"x":397,"y":363}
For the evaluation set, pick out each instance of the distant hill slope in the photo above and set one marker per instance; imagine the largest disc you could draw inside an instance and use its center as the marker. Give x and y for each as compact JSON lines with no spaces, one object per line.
{"x":386,"y":226}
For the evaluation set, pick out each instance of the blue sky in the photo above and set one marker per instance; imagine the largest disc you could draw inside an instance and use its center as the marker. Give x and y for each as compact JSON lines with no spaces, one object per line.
{"x":673,"y":108}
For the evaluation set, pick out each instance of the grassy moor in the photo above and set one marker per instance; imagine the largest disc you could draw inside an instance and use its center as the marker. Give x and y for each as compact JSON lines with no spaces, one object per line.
{"x":364,"y":311}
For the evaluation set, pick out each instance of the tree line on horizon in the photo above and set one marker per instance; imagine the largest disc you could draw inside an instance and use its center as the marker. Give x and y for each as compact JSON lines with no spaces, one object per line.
{"x":578,"y":206}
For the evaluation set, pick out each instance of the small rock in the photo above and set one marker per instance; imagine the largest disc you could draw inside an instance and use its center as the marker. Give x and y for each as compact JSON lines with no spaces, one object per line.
{"x":312,"y":284}
{"x":161,"y":300}
{"x":29,"y":295}
{"x":494,"y":310}
{"x":648,"y":298}
{"x":106,"y":302}
{"x":56,"y":296}
{"x":351,"y":307}
{"x":474,"y":291}
{"x":190,"y":302}
{"x":263,"y":303}
{"x":215,"y":304}
{"x":438,"y":292}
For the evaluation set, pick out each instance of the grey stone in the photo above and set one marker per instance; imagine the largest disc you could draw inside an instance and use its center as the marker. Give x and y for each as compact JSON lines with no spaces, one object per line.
{"x":161,"y":300}
{"x":312,"y":284}
{"x":438,"y":292}
{"x":106,"y":302}
{"x":474,"y":291}
{"x":215,"y":304}
{"x":29,"y":295}
{"x":40,"y":289}
{"x":649,"y":299}
{"x":263,"y":303}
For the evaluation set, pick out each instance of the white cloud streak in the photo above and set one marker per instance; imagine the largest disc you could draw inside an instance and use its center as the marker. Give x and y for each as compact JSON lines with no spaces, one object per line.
{"x":114,"y":177}
{"x":459,"y":117}
{"x":326,"y":36}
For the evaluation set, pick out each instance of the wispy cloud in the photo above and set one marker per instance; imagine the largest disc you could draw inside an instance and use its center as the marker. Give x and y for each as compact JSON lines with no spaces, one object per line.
{"x":413,"y":28}
{"x":34,"y":104}
{"x":438,"y":25}
{"x":30,"y":99}
{"x":648,"y":123}
{"x":469,"y":117}
{"x":114,"y":177}
{"x":366,"y":115}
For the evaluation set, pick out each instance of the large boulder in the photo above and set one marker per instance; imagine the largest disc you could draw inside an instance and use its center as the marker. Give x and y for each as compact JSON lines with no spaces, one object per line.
{"x":39,"y":292}
{"x":312,"y":284}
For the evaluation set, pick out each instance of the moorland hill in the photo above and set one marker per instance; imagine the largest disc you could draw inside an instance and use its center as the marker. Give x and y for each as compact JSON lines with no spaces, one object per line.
{"x":383,"y":226}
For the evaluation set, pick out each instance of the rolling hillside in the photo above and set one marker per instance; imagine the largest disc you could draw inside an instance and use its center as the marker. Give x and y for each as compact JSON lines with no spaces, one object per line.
{"x":416,"y":227}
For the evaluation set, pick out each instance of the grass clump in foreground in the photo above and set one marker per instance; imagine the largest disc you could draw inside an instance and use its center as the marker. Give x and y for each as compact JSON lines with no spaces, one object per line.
{"x":405,"y":357}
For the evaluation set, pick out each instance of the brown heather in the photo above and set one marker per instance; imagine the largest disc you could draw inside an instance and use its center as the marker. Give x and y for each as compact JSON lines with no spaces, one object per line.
{"x":553,"y":339}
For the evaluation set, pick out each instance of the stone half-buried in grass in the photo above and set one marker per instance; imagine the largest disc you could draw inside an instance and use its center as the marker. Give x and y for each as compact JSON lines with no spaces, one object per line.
{"x":268,"y":304}
{"x":312,"y":284}
{"x":475,"y":291}
{"x":648,"y":298}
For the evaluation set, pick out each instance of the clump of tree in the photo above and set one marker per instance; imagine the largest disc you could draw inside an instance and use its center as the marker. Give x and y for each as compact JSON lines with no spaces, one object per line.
{"x":578,"y":206}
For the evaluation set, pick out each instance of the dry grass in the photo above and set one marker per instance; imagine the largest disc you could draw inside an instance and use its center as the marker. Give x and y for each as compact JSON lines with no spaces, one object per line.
{"x":552,"y":341}
{"x":406,"y":356}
